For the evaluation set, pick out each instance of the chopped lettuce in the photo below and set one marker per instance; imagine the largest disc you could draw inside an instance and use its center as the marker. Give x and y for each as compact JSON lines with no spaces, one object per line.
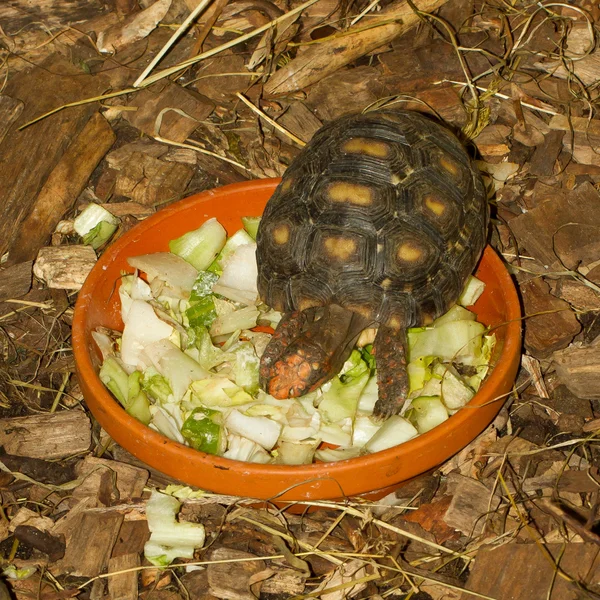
{"x":426,"y":412}
{"x":251,"y":226}
{"x":95,"y":225}
{"x":203,"y":430}
{"x":201,"y":246}
{"x":169,"y":538}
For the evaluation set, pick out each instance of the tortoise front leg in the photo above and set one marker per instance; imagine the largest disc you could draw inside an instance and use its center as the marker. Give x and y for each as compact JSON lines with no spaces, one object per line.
{"x":392,"y":376}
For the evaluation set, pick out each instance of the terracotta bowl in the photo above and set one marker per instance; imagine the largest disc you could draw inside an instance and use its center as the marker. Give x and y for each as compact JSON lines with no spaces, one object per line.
{"x":374,"y":474}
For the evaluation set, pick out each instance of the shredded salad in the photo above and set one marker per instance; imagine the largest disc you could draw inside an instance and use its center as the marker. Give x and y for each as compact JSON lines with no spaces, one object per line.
{"x":186,"y":363}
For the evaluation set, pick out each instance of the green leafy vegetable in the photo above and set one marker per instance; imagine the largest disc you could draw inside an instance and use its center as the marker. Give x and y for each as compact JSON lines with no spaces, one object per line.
{"x":203,"y":430}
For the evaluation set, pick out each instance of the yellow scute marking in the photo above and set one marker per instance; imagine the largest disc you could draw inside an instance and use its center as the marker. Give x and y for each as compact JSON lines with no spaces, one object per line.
{"x":286,"y":184}
{"x":449,"y":166}
{"x":367,"y":147}
{"x":339,"y":247}
{"x":435,"y":205}
{"x":281,"y":234}
{"x":386,"y":283}
{"x":350,"y":193}
{"x":409,"y":252}
{"x":394,"y":322}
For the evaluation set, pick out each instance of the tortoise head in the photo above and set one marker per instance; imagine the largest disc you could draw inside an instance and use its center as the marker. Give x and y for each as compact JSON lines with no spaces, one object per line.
{"x":307,"y":349}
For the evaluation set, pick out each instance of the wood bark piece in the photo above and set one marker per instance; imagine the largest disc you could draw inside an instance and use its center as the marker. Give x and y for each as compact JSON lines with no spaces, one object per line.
{"x":579,"y":295}
{"x":470,"y":505}
{"x":545,"y":156}
{"x":577,"y":367}
{"x":29,"y":156}
{"x":63,"y":186}
{"x":44,"y":471}
{"x":231,"y":580}
{"x":151,"y":181}
{"x":523,"y":571}
{"x":64,"y":267}
{"x":134,"y":28}
{"x":545,"y":333}
{"x":299,"y":120}
{"x":132,"y":537}
{"x":85,"y":559}
{"x":125,"y":585}
{"x":129,"y":480}
{"x":348,"y":91}
{"x":150,"y":102}
{"x":40,"y":540}
{"x":48,"y":436}
{"x":18,"y":14}
{"x":126,"y":209}
{"x":15,"y":281}
{"x":10,"y":109}
{"x":566,"y":225}
{"x":324,"y":58}
{"x":493,"y":140}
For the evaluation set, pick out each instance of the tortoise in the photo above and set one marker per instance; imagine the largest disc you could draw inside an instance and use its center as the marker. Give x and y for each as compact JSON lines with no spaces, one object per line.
{"x":377,"y":222}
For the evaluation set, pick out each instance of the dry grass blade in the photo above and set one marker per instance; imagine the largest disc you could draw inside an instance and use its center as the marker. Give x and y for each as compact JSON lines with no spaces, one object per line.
{"x":268,"y":119}
{"x":180,"y":31}
{"x":243,"y":38}
{"x":190,"y":146}
{"x":358,"y":17}
{"x":78,"y":103}
{"x":357,"y":513}
{"x":289,"y":538}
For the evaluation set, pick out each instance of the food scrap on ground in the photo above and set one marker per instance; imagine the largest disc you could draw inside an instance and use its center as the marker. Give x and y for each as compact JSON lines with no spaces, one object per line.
{"x":175,"y":105}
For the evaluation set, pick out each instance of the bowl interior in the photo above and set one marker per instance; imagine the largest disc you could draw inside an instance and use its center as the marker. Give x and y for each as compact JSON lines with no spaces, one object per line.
{"x":98,"y":305}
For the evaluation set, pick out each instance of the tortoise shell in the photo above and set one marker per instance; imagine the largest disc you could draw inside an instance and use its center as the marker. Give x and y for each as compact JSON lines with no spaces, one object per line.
{"x":382,"y":213}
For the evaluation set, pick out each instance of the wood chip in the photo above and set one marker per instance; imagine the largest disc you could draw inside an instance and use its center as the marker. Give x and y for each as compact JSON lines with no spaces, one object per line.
{"x":566,"y":226}
{"x":231,"y":580}
{"x":60,"y":191}
{"x":26,"y":163}
{"x":577,"y":367}
{"x":151,"y":182}
{"x":135,"y":27}
{"x":15,"y":281}
{"x":550,"y":324}
{"x":523,"y":571}
{"x":578,"y":295}
{"x":48,"y":436}
{"x":10,"y":109}
{"x":123,"y":586}
{"x":174,"y":126}
{"x":83,"y":559}
{"x":322,"y":59}
{"x":129,"y":480}
{"x":471,"y":504}
{"x":545,"y":156}
{"x":64,"y":267}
